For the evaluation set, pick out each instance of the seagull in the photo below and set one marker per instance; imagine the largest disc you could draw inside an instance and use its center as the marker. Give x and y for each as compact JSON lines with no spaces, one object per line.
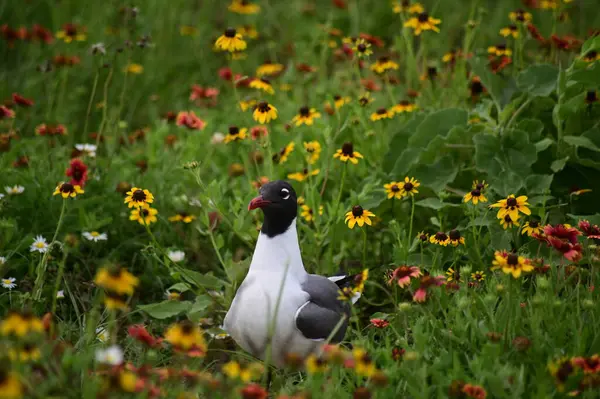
{"x":280,"y":309}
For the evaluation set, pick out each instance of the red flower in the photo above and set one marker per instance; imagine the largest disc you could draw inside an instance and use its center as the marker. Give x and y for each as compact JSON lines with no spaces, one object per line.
{"x":302,"y":67}
{"x":563,"y":239}
{"x":341,"y":4}
{"x":199,"y":92}
{"x":426,"y":282}
{"x":374,"y":40}
{"x":589,"y":365}
{"x":370,"y":85}
{"x":139,"y":333}
{"x":562,"y":232}
{"x":225,"y":73}
{"x":40,"y":33}
{"x":257,"y":132}
{"x":77,"y":171}
{"x":190,"y":120}
{"x":498,"y":64}
{"x":380,"y":323}
{"x":22,"y":101}
{"x":50,"y":130}
{"x":241,"y":80}
{"x":589,"y":230}
{"x":254,"y":391}
{"x":397,"y":353}
{"x":474,"y":391}
{"x":6,"y":113}
{"x":535,"y":33}
{"x":403,"y":274}
{"x":566,"y":43}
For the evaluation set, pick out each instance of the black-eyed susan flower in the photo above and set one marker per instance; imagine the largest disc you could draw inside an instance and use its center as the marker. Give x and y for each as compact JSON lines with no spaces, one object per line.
{"x":381,"y":113}
{"x":440,"y":238}
{"x":340,"y":101}
{"x":521,"y":16}
{"x":499,"y":50}
{"x":360,"y":279}
{"x":234,"y":370}
{"x":269,"y":69}
{"x":409,"y":186}
{"x":532,"y":227}
{"x":67,"y":190}
{"x":548,"y":4}
{"x":405,"y":6}
{"x":27,"y":353}
{"x":481,"y":186}
{"x":308,"y":214}
{"x":363,"y":363}
{"x":362,"y":48}
{"x":591,"y":97}
{"x":244,"y":7}
{"x":10,"y":385}
{"x":347,"y":153}
{"x":139,"y":197}
{"x":475,"y":196}
{"x":450,"y":57}
{"x":248,"y":31}
{"x":393,"y":190}
{"x":511,"y":263}
{"x":508,"y":222}
{"x":283,"y":154}
{"x":345,"y":294}
{"x":422,"y":236}
{"x":264,"y":112}
{"x":422,"y":22}
{"x":230,"y":41}
{"x":384,"y":64}
{"x":478,"y":276}
{"x":315,"y":364}
{"x":115,"y":301}
{"x":70,"y":32}
{"x":313,"y":149}
{"x":453,"y":275}
{"x":306,"y":116}
{"x":235,"y":133}
{"x":247,"y":104}
{"x":365,"y":99}
{"x":511,"y":30}
{"x":262,"y":84}
{"x":116,"y":279}
{"x":144,"y":216}
{"x":182,"y":217}
{"x":591,"y":56}
{"x":512,"y":206}
{"x":456,"y":238}
{"x":403,"y":106}
{"x":186,"y":338}
{"x":303,"y":175}
{"x":359,"y":216}
{"x":21,"y":324}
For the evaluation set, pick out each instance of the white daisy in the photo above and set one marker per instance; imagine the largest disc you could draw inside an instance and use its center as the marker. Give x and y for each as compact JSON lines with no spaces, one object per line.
{"x":102,"y":334}
{"x":95,"y":236}
{"x":2,"y":260}
{"x":88,"y":149}
{"x":60,"y":294}
{"x":39,"y":245}
{"x":217,"y":138}
{"x":113,"y":355}
{"x":14,"y":190}
{"x":176,"y":256}
{"x":8,"y":282}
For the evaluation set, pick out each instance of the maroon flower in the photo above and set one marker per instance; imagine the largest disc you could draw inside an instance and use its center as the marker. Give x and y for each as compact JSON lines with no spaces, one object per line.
{"x":6,"y":113}
{"x":22,"y":101}
{"x":564,"y":239}
{"x":139,"y":333}
{"x":535,"y":33}
{"x":562,"y":232}
{"x":380,"y":323}
{"x":374,"y":40}
{"x":427,"y":282}
{"x":589,"y":230}
{"x":259,"y":131}
{"x":397,"y":353}
{"x":225,"y":73}
{"x":77,"y":171}
{"x":403,"y":274}
{"x":38,"y":32}
{"x":254,"y":391}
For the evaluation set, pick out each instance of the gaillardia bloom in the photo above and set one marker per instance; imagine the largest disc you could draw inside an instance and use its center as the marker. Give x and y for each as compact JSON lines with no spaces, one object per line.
{"x":589,"y":230}
{"x":409,"y":186}
{"x":144,"y":216}
{"x":427,"y":282}
{"x":393,"y":190}
{"x":67,"y":190}
{"x":512,"y":206}
{"x":189,"y":120}
{"x":305,"y":174}
{"x":230,"y":41}
{"x":403,"y":274}
{"x":264,"y":112}
{"x":262,"y":84}
{"x":235,"y":133}
{"x":475,"y":196}
{"x":139,"y":197}
{"x":359,"y":216}
{"x":381,"y":113}
{"x":306,"y":116}
{"x":313,"y":148}
{"x":187,"y":338}
{"x":532,"y":227}
{"x":563,"y":238}
{"x":383,"y":64}
{"x":511,"y":263}
{"x":70,"y":32}
{"x":347,"y":153}
{"x":422,"y":22}
{"x":244,"y":7}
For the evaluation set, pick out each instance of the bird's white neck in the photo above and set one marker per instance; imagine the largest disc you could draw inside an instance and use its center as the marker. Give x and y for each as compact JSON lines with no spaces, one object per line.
{"x":275,"y":254}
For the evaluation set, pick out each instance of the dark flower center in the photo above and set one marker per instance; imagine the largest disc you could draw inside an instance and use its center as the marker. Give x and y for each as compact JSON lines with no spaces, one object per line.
{"x":423,"y":237}
{"x":67,"y":188}
{"x":454,"y":235}
{"x":395,"y":188}
{"x":423,"y":17}
{"x":480,"y":186}
{"x":476,"y":87}
{"x":234,"y":130}
{"x":441,"y":236}
{"x":230,"y":32}
{"x":357,"y":211}
{"x":383,"y":59}
{"x":590,"y":96}
{"x":186,"y":328}
{"x":348,"y":149}
{"x":431,"y":71}
{"x":565,"y":370}
{"x":512,"y":259}
{"x":501,"y":47}
{"x":115,"y":272}
{"x":477,"y":276}
{"x":3,"y":377}
{"x":139,"y":196}
{"x":381,"y":111}
{"x":475,"y":193}
{"x":507,"y":219}
{"x":145,"y":212}
{"x":305,"y":172}
{"x":77,"y":174}
{"x":534,"y":223}
{"x":520,"y":15}
{"x":404,"y":102}
{"x":305,"y":111}
{"x":265,"y":81}
{"x":408,"y":186}
{"x":511,"y":202}
{"x":320,"y":362}
{"x":310,"y":211}
{"x":337,"y":97}
{"x":361,"y":47}
{"x":513,"y":28}
{"x":263,"y":106}
{"x":591,"y":55}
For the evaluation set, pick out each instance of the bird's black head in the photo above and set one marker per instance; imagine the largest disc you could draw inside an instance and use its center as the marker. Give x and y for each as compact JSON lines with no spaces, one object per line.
{"x":279,"y":203}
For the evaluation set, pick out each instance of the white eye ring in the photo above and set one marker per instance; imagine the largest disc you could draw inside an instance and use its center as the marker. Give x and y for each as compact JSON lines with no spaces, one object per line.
{"x":285,"y":193}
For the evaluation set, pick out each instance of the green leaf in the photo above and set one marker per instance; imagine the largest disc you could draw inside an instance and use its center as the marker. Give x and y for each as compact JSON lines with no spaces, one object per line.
{"x":179,"y":287}
{"x":588,"y":76}
{"x":592,"y":44}
{"x":491,"y":81}
{"x":437,"y":124}
{"x":580,"y":141}
{"x":533,"y":127}
{"x":436,"y":176}
{"x":399,"y":142}
{"x":433,"y":203}
{"x":487,"y":147}
{"x":201,"y":303}
{"x":406,"y":161}
{"x":538,"y":184}
{"x":543,"y":144}
{"x":207,"y":280}
{"x":166,"y":309}
{"x":558,"y":164}
{"x":538,"y":80}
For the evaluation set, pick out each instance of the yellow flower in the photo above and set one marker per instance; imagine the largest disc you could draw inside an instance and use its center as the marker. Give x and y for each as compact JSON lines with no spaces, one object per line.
{"x":144,"y":216}
{"x":532,"y":227}
{"x":403,"y":106}
{"x":300,"y":200}
{"x":133,"y":68}
{"x":499,"y":50}
{"x":247,"y":104}
{"x":381,"y":113}
{"x":71,"y":32}
{"x":284,"y":153}
{"x":182,"y":217}
{"x":409,"y":186}
{"x":114,"y":301}
{"x":383,"y":64}
{"x":269,"y":69}
{"x":363,"y":364}
{"x":262,"y":84}
{"x":591,"y":56}
{"x":188,"y":30}
{"x":405,"y":6}
{"x":313,"y":148}
{"x":339,"y":101}
{"x":306,"y":116}
{"x":455,"y":238}
{"x":67,"y":190}
{"x":305,"y":174}
{"x":247,"y":31}
{"x":475,"y":196}
{"x":453,"y":275}
{"x":549,"y":4}
{"x":230,"y":41}
{"x":185,"y":336}
{"x":264,"y":112}
{"x":10,"y":385}
{"x":359,"y":216}
{"x":422,"y":22}
{"x":117,"y":280}
{"x":244,"y":7}
{"x":315,"y":365}
{"x":520,"y":16}
{"x":511,"y":263}
{"x":365,"y":99}
{"x":235,"y":134}
{"x":449,"y":56}
{"x":29,"y":353}
{"x":20,"y":324}
{"x":362,"y":48}
{"x":308,"y":214}
{"x":139,"y":197}
{"x":393,"y":190}
{"x":347,"y":153}
{"x":128,"y":381}
{"x":511,"y":30}
{"x":478,"y":275}
{"x":512,"y":206}
{"x":232,"y":369}
{"x":507,"y":221}
{"x":360,"y":280}
{"x":440,"y":238}
{"x":479,"y":186}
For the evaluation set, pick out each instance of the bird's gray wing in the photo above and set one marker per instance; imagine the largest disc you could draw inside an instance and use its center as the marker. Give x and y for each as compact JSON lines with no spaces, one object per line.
{"x":319,"y":317}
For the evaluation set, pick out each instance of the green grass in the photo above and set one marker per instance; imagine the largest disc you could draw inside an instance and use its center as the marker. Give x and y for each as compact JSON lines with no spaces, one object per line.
{"x":530,"y":133}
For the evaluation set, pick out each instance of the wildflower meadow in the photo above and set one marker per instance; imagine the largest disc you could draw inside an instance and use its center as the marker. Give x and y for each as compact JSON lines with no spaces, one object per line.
{"x":439,"y":161}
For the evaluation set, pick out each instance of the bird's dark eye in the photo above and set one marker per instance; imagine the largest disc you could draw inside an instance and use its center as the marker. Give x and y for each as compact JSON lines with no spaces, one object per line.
{"x":284,"y":193}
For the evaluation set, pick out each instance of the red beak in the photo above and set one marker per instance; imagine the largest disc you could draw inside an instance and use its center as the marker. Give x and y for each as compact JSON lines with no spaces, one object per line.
{"x":258,"y":202}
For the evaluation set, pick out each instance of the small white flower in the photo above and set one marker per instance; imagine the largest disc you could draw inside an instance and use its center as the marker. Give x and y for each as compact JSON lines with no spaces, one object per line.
{"x":195,"y":202}
{"x":1,"y":196}
{"x":2,"y":260}
{"x":8,"y":282}
{"x":113,"y":355}
{"x":88,"y":149}
{"x":102,"y":335}
{"x":39,"y":245}
{"x":95,"y":236}
{"x":60,"y":294}
{"x":218,"y":333}
{"x":176,"y":256}
{"x":14,"y":190}
{"x":217,"y":138}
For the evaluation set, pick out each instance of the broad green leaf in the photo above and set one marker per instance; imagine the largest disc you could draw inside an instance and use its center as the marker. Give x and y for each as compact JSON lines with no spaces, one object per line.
{"x":533,"y":127}
{"x":406,"y":161}
{"x":179,"y":287}
{"x":589,"y":75}
{"x":580,"y":141}
{"x":166,"y":309}
{"x":400,"y":141}
{"x":491,"y":81}
{"x":558,"y":164}
{"x":433,"y":203}
{"x":487,"y":148}
{"x":437,"y":123}
{"x":436,"y":176}
{"x":592,"y":44}
{"x":538,"y":184}
{"x":543,"y":144}
{"x":507,"y":183}
{"x":207,"y":280}
{"x":201,"y":303}
{"x":538,"y":80}
{"x":593,"y":219}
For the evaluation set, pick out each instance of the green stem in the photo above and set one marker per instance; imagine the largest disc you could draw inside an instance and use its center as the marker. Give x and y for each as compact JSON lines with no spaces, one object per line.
{"x":89,"y":108}
{"x":409,"y":238}
{"x":364,"y":255}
